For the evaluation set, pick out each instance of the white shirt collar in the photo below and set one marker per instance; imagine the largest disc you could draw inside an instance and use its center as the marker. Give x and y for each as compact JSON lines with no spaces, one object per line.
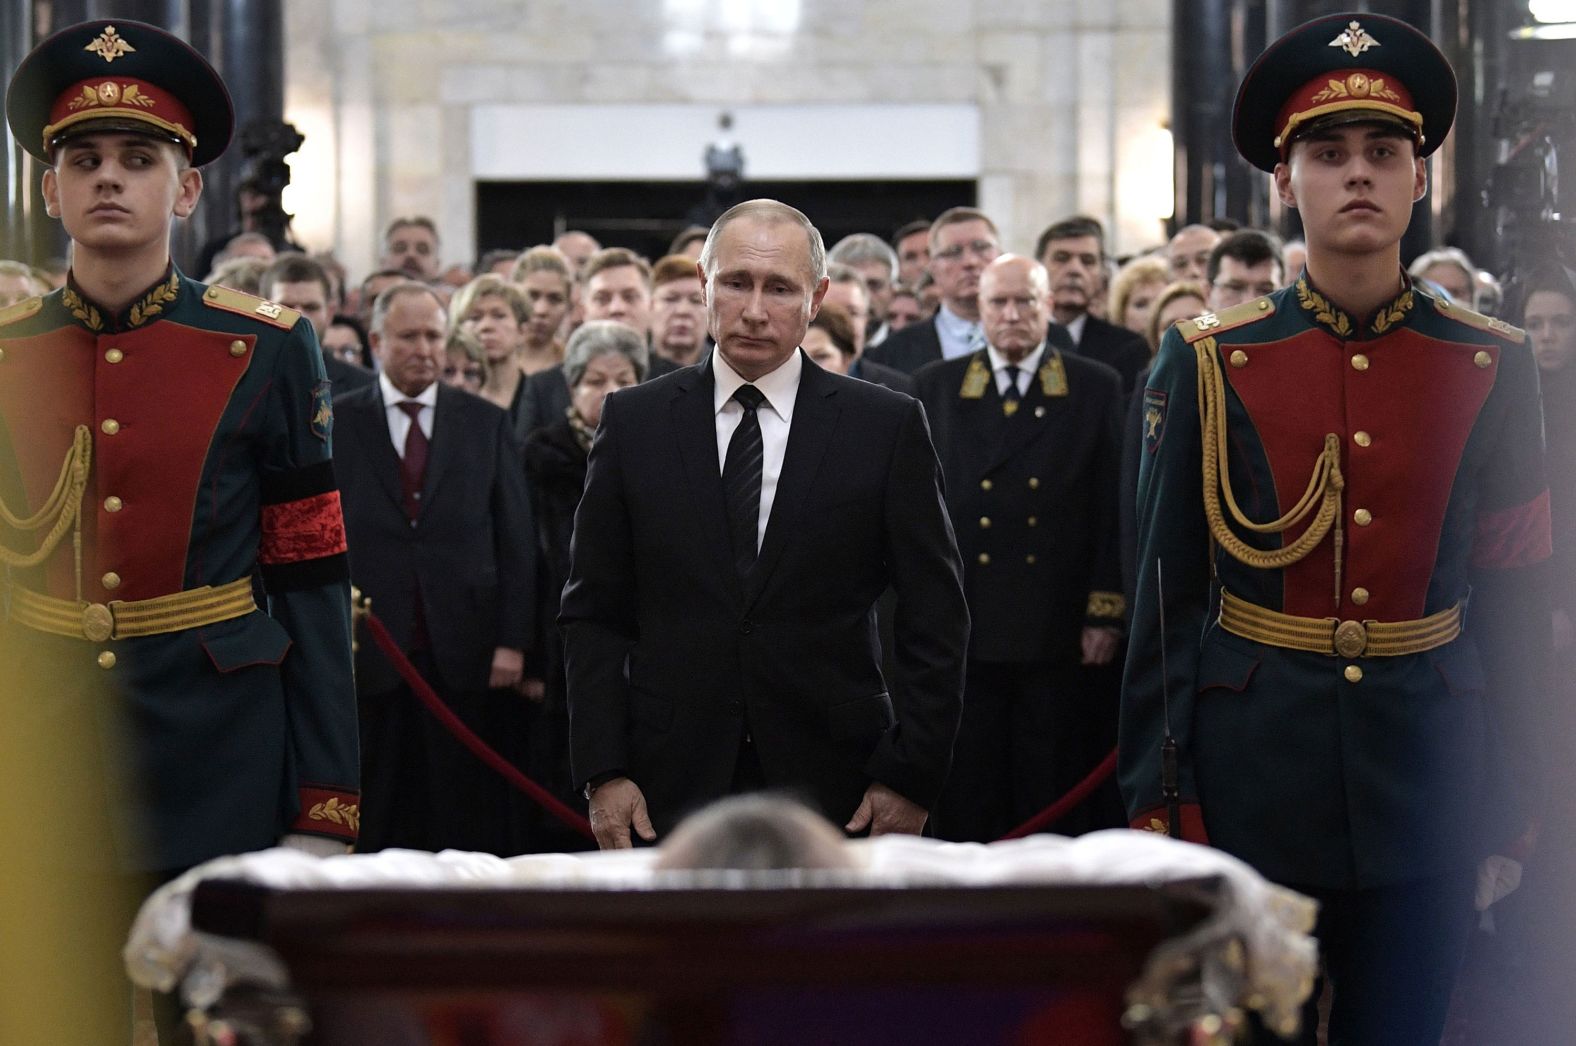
{"x":1075,"y":327}
{"x":392,"y":397}
{"x":1028,"y":365}
{"x":954,"y":324}
{"x":780,"y":386}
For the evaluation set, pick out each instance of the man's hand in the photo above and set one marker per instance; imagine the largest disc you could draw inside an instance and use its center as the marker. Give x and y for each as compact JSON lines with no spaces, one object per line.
{"x":507,"y":668}
{"x":1498,"y":878}
{"x":1100,"y":644}
{"x":1564,"y":631}
{"x":884,"y":811}
{"x":615,"y":805}
{"x":533,"y":690}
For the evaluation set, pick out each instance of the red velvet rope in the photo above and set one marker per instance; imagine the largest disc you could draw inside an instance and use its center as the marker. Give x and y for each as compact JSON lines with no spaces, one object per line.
{"x":1057,"y":810}
{"x":465,"y":735}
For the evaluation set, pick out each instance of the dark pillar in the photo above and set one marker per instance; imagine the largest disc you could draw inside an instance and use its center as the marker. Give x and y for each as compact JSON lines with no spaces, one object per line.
{"x":1212,"y":44}
{"x":244,"y":39}
{"x":24,"y":234}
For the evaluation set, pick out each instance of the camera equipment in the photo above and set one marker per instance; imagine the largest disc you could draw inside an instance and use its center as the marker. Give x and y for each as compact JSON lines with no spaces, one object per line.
{"x":264,"y":144}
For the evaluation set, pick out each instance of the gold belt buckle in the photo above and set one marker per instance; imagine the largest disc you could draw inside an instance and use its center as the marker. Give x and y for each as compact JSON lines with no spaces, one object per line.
{"x":98,"y":622}
{"x":1351,"y":638}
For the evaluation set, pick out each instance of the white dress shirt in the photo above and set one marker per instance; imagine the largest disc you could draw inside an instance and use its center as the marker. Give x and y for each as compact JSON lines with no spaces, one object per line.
{"x":399,"y":421}
{"x":1026,"y":368}
{"x":781,"y":389}
{"x":1076,"y":327}
{"x":959,"y":336}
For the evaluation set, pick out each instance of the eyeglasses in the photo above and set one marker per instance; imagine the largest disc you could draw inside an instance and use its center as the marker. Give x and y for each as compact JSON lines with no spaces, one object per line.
{"x":979,"y":248}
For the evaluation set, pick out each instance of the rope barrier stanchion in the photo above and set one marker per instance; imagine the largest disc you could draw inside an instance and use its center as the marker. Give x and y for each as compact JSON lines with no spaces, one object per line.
{"x":1059,"y":809}
{"x":465,"y":735}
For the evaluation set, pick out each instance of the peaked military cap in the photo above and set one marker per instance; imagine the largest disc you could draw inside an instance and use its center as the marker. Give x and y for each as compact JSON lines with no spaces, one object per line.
{"x":1343,"y":68}
{"x":118,"y":75}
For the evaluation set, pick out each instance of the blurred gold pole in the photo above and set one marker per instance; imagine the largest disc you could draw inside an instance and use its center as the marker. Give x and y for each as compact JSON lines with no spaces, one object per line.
{"x":64,"y":906}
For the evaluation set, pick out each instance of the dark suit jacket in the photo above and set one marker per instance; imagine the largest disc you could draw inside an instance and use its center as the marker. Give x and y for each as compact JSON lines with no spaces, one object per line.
{"x":1033,"y":499}
{"x":346,"y":377}
{"x":671,"y":657}
{"x":1116,"y":347}
{"x":544,"y":396}
{"x":891,"y":377}
{"x":470,"y":559}
{"x":917,"y":344}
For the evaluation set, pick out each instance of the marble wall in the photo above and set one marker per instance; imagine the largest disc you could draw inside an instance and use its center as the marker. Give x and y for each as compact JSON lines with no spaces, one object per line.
{"x":402,"y":101}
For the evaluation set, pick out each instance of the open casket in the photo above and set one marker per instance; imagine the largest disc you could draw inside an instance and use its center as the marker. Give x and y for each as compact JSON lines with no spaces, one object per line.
{"x":929,"y":943}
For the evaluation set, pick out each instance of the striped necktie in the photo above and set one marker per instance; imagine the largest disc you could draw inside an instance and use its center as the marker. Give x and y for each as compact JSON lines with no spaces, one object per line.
{"x":741,"y":480}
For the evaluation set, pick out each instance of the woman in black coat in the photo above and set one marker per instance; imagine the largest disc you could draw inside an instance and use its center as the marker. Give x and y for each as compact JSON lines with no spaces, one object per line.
{"x":602,"y":357}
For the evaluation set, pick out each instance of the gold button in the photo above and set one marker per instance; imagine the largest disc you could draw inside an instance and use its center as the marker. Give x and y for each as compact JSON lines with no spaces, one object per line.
{"x":984,"y":522}
{"x":113,"y":356}
{"x":213,"y":292}
{"x":238,"y":348}
{"x":986,"y":484}
{"x":1034,"y":483}
{"x":1362,"y":439}
{"x":110,"y":426}
{"x":111,"y":580}
{"x":1360,"y":596}
{"x":1264,"y":303}
{"x":113,"y":504}
{"x":1034,"y":521}
{"x":2,"y":355}
{"x":1353,"y":674}
{"x":1359,"y":362}
{"x":1029,"y":559}
{"x":106,"y":659}
{"x":984,"y":559}
{"x":1239,"y":359}
{"x":1363,"y":517}
{"x":1483,"y":360}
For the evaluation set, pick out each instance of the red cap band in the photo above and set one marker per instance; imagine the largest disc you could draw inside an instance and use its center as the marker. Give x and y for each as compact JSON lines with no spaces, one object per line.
{"x":1357,"y":89}
{"x":120,"y":98}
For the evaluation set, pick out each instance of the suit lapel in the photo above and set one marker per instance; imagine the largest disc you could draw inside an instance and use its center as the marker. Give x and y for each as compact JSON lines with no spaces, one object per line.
{"x":814,"y":418}
{"x":444,"y":445}
{"x":1035,"y":412}
{"x":695,"y":427}
{"x":371,"y":417}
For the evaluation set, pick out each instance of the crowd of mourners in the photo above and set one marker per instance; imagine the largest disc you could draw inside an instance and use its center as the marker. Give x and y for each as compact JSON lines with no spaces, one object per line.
{"x":545,"y":333}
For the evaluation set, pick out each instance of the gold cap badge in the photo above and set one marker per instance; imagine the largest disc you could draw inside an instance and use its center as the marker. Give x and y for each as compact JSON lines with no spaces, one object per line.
{"x":109,"y":45}
{"x":1354,"y":39}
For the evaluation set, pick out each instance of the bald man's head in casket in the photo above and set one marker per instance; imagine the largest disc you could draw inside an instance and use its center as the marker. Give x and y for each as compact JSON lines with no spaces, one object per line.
{"x":755,"y":833}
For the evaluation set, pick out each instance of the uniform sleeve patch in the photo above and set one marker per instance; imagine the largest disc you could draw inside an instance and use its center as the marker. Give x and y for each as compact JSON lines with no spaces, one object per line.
{"x":1154,"y":418}
{"x":322,"y":410}
{"x":1514,"y":537}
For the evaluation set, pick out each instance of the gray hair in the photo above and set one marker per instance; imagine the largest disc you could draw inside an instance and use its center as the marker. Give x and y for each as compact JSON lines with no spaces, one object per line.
{"x":861,"y":248}
{"x":603,"y":338}
{"x":396,"y":291}
{"x":771,"y":211}
{"x":1443,"y":256}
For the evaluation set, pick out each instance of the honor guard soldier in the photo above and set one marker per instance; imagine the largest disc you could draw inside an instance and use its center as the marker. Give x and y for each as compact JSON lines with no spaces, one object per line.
{"x":162,"y":444}
{"x":1328,"y":472}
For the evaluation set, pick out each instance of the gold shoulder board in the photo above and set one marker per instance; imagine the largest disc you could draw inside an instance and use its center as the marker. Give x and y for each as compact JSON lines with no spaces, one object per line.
{"x":1476,"y":320}
{"x":20,"y":311}
{"x":1212,"y":323}
{"x":270,"y":312}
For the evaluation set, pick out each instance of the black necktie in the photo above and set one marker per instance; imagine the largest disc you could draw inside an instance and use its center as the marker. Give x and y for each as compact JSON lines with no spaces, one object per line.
{"x":1012,"y":396}
{"x":741,"y":480}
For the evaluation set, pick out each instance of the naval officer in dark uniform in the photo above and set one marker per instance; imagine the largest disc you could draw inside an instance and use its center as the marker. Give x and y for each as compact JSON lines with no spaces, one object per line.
{"x":1328,"y":473}
{"x":162,"y":443}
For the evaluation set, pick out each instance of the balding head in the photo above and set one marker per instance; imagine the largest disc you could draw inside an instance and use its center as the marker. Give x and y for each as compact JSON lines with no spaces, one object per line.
{"x":1188,"y":252}
{"x":1015,"y":305}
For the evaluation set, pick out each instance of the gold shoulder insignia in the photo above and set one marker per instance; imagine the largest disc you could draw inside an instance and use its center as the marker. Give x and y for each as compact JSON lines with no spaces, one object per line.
{"x":20,"y":311}
{"x":243,"y":304}
{"x":1492,"y":324}
{"x":1213,"y":323}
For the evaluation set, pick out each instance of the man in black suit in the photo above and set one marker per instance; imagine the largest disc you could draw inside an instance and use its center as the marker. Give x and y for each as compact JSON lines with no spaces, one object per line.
{"x":301,"y":283}
{"x":739,"y":521}
{"x":1073,"y":253}
{"x":848,"y":291}
{"x":962,"y":242}
{"x":1029,"y":439}
{"x":441,"y":540}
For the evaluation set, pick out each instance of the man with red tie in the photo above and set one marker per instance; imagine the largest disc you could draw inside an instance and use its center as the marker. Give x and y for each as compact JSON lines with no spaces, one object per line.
{"x":441,"y":542}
